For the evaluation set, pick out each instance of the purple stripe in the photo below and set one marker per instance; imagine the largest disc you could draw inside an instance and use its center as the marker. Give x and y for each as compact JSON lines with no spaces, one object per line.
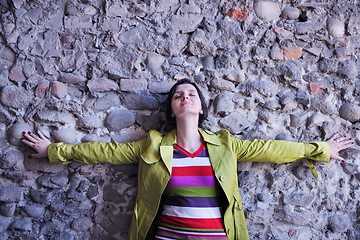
{"x":192,"y":181}
{"x":191,"y":201}
{"x":168,"y":234}
{"x":179,"y":154}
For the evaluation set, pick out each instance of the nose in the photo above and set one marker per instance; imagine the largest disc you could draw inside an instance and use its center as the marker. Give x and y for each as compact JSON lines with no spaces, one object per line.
{"x":185,"y":97}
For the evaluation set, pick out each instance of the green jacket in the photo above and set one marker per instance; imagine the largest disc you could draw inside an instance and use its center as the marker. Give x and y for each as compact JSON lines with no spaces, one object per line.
{"x":154,"y":158}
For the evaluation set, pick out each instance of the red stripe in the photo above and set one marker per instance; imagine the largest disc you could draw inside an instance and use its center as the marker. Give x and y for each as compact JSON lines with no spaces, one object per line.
{"x":195,"y":223}
{"x":187,"y":153}
{"x":192,"y":171}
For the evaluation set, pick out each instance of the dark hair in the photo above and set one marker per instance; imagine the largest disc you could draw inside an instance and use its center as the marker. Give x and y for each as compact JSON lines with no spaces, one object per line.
{"x":172,"y":120}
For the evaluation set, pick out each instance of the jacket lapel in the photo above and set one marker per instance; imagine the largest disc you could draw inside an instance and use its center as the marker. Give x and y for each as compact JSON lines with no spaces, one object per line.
{"x":166,"y":149}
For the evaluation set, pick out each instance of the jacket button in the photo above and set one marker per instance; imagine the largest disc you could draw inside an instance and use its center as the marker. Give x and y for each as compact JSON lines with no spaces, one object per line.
{"x":238,"y":205}
{"x":229,"y":231}
{"x":222,"y":178}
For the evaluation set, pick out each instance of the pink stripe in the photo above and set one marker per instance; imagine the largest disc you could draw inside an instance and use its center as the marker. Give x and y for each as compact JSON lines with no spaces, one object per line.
{"x":192,"y":181}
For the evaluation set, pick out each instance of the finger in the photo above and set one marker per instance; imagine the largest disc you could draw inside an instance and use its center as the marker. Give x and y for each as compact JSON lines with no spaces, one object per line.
{"x":334,"y":136}
{"x":33,"y":135}
{"x":29,"y":137}
{"x":26,"y":142}
{"x":40,"y":134}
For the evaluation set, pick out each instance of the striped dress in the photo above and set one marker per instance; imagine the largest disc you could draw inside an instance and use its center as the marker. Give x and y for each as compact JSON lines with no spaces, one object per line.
{"x":191,"y":207}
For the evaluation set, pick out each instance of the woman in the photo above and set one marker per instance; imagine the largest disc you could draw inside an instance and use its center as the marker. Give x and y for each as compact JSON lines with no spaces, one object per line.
{"x":187,"y":178}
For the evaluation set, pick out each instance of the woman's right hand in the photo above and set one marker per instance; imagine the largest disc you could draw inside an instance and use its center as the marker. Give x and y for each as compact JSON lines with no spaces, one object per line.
{"x":38,"y":142}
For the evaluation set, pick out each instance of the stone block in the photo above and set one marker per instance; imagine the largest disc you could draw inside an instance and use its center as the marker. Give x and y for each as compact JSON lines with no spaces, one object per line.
{"x":133,"y":85}
{"x":290,"y":13}
{"x":199,"y":45}
{"x":161,"y":87}
{"x":90,"y":122}
{"x":350,"y":112}
{"x":78,"y":22}
{"x":41,"y":89}
{"x":67,"y":135}
{"x":10,"y":194}
{"x":154,"y":62}
{"x":266,"y":10}
{"x":140,"y":102}
{"x":292,"y":52}
{"x":16,"y":74}
{"x":55,"y":116}
{"x":7,"y":54}
{"x":339,"y":223}
{"x":71,"y":78}
{"x":7,"y":209}
{"x":235,"y":123}
{"x":119,"y":119}
{"x":53,"y":182}
{"x":10,"y":158}
{"x":134,"y":35}
{"x":22,"y":224}
{"x":35,"y":211}
{"x":335,"y":27}
{"x":59,"y":90}
{"x":14,"y":133}
{"x":102,"y":85}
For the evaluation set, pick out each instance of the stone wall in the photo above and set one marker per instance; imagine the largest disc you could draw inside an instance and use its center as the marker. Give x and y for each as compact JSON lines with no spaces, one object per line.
{"x":99,"y":70}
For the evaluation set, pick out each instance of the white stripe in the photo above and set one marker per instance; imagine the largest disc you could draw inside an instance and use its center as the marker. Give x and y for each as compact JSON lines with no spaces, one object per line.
{"x":187,"y":162}
{"x":165,"y":238}
{"x":192,"y":212}
{"x":190,"y":232}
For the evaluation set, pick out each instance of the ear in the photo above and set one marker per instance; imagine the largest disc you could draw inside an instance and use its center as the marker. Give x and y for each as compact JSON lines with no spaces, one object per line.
{"x":172,"y":115}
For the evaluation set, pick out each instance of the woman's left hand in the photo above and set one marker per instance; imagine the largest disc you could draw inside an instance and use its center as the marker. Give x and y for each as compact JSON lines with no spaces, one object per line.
{"x":337,"y":144}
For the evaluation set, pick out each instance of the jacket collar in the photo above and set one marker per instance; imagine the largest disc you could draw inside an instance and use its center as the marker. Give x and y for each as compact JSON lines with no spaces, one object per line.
{"x":167,"y":143}
{"x":208,"y":137}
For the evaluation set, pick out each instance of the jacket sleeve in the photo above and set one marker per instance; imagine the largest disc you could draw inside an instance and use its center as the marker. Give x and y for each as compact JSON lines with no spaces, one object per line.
{"x":278,"y":151}
{"x":95,"y":152}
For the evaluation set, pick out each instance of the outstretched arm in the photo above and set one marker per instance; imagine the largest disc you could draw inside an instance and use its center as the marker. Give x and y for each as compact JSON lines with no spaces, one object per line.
{"x":38,"y":142}
{"x":337,"y":144}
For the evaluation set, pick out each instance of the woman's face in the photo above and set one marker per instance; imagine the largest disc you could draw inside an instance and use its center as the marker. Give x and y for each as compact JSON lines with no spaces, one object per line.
{"x":185,"y":101}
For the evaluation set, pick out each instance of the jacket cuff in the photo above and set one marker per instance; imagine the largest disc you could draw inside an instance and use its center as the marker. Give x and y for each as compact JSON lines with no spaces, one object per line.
{"x":58,"y":152}
{"x":318,"y":151}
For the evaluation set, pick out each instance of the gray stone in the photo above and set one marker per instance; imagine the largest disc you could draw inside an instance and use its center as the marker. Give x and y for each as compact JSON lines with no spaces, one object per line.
{"x":10,"y":194}
{"x":350,"y":168}
{"x":120,"y":65}
{"x":134,"y":35}
{"x":40,"y":196}
{"x":154,"y":62}
{"x":81,"y":224}
{"x":303,"y":28}
{"x":102,"y":85}
{"x":266,"y":10}
{"x":90,"y":122}
{"x":208,"y":62}
{"x":4,"y":81}
{"x":67,"y":135}
{"x":35,"y":211}
{"x":236,"y":76}
{"x":22,"y":224}
{"x":284,"y":136}
{"x":335,"y":27}
{"x":64,"y":236}
{"x":350,"y":112}
{"x":14,"y":133}
{"x":119,"y":119}
{"x":185,"y":22}
{"x":339,"y":223}
{"x":149,"y":122}
{"x":140,"y":102}
{"x":235,"y":123}
{"x":55,"y":226}
{"x":15,"y":97}
{"x":298,"y":120}
{"x":301,"y":218}
{"x":290,"y":13}
{"x":327,"y":65}
{"x":265,"y":88}
{"x":115,"y":10}
{"x":222,"y":85}
{"x":105,"y":102}
{"x":71,"y":78}
{"x":223,"y":103}
{"x":316,"y":119}
{"x":348,"y":69}
{"x":8,"y":209}
{"x":53,"y":182}
{"x":10,"y":158}
{"x":200,"y":45}
{"x":299,"y":199}
{"x":133,"y":85}
{"x":41,"y":164}
{"x":55,"y":117}
{"x":19,"y":175}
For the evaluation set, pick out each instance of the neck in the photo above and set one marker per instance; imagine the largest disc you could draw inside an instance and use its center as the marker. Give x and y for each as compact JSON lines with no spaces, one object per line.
{"x":187,"y":134}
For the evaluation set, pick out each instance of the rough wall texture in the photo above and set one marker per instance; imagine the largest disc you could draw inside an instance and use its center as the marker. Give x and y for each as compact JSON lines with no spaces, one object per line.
{"x":91,"y":70}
